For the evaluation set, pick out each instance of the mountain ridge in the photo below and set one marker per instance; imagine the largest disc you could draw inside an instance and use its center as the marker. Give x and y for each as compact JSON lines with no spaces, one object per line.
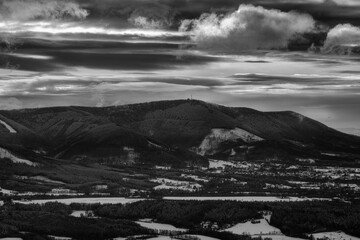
{"x":178,"y":127}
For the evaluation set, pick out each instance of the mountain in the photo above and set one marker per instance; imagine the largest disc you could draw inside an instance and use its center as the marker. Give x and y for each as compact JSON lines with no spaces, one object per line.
{"x":178,"y":133}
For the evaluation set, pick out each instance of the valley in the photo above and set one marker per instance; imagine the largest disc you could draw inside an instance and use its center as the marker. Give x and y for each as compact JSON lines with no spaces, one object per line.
{"x":218,"y":169}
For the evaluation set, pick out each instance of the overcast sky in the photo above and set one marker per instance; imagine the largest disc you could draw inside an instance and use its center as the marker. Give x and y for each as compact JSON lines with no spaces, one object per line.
{"x":320,"y":9}
{"x":326,"y":10}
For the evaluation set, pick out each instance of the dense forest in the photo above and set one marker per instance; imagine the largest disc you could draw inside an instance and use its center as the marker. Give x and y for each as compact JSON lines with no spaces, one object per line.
{"x":181,"y":213}
{"x":292,"y":218}
{"x":298,"y":218}
{"x":54,"y":219}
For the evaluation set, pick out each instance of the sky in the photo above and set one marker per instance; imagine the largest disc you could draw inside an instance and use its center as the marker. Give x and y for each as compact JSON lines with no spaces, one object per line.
{"x":271,"y":55}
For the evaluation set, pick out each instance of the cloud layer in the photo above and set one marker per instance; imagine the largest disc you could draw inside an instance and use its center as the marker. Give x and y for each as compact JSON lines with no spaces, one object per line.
{"x":248,"y":28}
{"x":23,"y":10}
{"x":150,"y":16}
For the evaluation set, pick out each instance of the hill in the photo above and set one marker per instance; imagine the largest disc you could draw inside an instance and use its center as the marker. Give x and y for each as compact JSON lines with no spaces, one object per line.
{"x":176,"y":132}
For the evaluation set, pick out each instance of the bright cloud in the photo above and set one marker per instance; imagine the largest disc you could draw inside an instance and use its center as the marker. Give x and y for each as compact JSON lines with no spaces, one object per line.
{"x":342,"y":39}
{"x":248,"y":28}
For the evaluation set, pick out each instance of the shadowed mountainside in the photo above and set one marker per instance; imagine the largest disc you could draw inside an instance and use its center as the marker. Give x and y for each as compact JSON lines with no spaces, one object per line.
{"x":175,"y":132}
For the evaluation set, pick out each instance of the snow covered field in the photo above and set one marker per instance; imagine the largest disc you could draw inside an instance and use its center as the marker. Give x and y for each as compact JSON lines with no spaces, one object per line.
{"x":247,"y":199}
{"x":10,"y":238}
{"x":159,"y":226}
{"x":8,"y":127}
{"x":249,"y":228}
{"x":334,"y":236}
{"x":263,"y":229}
{"x":68,"y":201}
{"x":114,"y":200}
{"x":6,"y":154}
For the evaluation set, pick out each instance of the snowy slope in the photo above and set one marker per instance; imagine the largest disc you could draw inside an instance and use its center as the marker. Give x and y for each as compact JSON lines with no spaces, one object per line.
{"x":8,"y":127}
{"x":218,"y":135}
{"x":249,"y":228}
{"x":160,"y":226}
{"x":6,"y":154}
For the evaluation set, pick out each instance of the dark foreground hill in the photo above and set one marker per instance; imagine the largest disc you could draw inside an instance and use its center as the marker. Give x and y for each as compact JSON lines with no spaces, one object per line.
{"x":177,"y":133}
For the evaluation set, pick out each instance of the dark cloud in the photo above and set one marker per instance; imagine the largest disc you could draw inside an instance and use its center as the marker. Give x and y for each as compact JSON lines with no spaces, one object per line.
{"x":330,"y":12}
{"x":29,"y":64}
{"x":307,"y":82}
{"x":186,"y":81}
{"x":111,"y":61}
{"x":169,"y":11}
{"x":321,"y":10}
{"x":43,"y":45}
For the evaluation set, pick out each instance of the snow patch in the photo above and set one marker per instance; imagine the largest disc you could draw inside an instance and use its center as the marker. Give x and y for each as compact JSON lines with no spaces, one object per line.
{"x":249,"y":228}
{"x":63,"y":192}
{"x":247,"y":199}
{"x":162,"y":167}
{"x":160,"y":238}
{"x":159,"y":226}
{"x":331,"y":154}
{"x":334,"y":236}
{"x":9,"y":238}
{"x":154,"y":145}
{"x":176,"y":185}
{"x":8,"y":192}
{"x":279,"y":237}
{"x":194,"y":177}
{"x":216,"y":164}
{"x":219,"y":135}
{"x":40,"y":179}
{"x":8,"y":127}
{"x":86,"y":214}
{"x":59,"y":238}
{"x":68,"y":201}
{"x":259,"y":228}
{"x":201,"y":237}
{"x":6,"y":154}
